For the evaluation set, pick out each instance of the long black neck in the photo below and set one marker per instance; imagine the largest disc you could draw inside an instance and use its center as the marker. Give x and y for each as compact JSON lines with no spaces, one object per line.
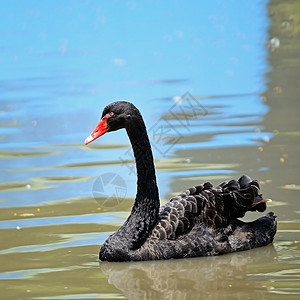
{"x":146,"y":179}
{"x":145,"y":210}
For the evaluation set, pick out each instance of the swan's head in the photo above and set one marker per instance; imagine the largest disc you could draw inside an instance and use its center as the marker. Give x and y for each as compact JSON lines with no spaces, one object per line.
{"x":115,"y":116}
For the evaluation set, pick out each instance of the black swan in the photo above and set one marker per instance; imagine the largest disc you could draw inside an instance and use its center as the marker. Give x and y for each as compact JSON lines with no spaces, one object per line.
{"x":202,"y":221}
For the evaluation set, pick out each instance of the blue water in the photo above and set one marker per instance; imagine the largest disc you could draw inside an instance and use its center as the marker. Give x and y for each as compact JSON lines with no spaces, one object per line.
{"x":61,"y":64}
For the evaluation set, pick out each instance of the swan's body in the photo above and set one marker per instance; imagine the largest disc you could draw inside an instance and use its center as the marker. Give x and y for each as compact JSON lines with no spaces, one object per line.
{"x":202,"y":221}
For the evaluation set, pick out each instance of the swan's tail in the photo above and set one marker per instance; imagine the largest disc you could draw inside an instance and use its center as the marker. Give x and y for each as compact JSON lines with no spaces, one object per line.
{"x":236,"y":197}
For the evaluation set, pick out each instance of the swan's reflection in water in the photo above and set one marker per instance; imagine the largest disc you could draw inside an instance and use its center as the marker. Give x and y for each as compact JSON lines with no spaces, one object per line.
{"x":228,"y":276}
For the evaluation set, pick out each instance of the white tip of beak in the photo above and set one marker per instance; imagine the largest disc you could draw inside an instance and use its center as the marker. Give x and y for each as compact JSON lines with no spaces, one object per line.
{"x":88,"y":140}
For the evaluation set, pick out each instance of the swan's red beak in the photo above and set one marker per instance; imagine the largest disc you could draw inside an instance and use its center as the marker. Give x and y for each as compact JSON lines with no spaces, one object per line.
{"x":100,"y":129}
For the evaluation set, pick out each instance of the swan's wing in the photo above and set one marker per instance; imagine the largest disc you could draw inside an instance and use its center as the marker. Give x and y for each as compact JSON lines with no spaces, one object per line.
{"x":211,"y":206}
{"x":179,"y":215}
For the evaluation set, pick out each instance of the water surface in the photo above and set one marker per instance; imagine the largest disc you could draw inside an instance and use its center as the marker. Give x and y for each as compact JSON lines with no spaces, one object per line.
{"x":218,"y":86}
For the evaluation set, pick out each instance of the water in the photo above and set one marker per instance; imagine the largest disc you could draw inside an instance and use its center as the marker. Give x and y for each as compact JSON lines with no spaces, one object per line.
{"x":61,"y":64}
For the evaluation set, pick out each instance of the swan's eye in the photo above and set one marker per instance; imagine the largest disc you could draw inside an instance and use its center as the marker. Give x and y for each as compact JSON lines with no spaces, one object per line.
{"x":107,"y":116}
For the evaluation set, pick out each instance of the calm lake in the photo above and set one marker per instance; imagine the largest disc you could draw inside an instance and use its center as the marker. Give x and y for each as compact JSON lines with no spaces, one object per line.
{"x":218,"y":84}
